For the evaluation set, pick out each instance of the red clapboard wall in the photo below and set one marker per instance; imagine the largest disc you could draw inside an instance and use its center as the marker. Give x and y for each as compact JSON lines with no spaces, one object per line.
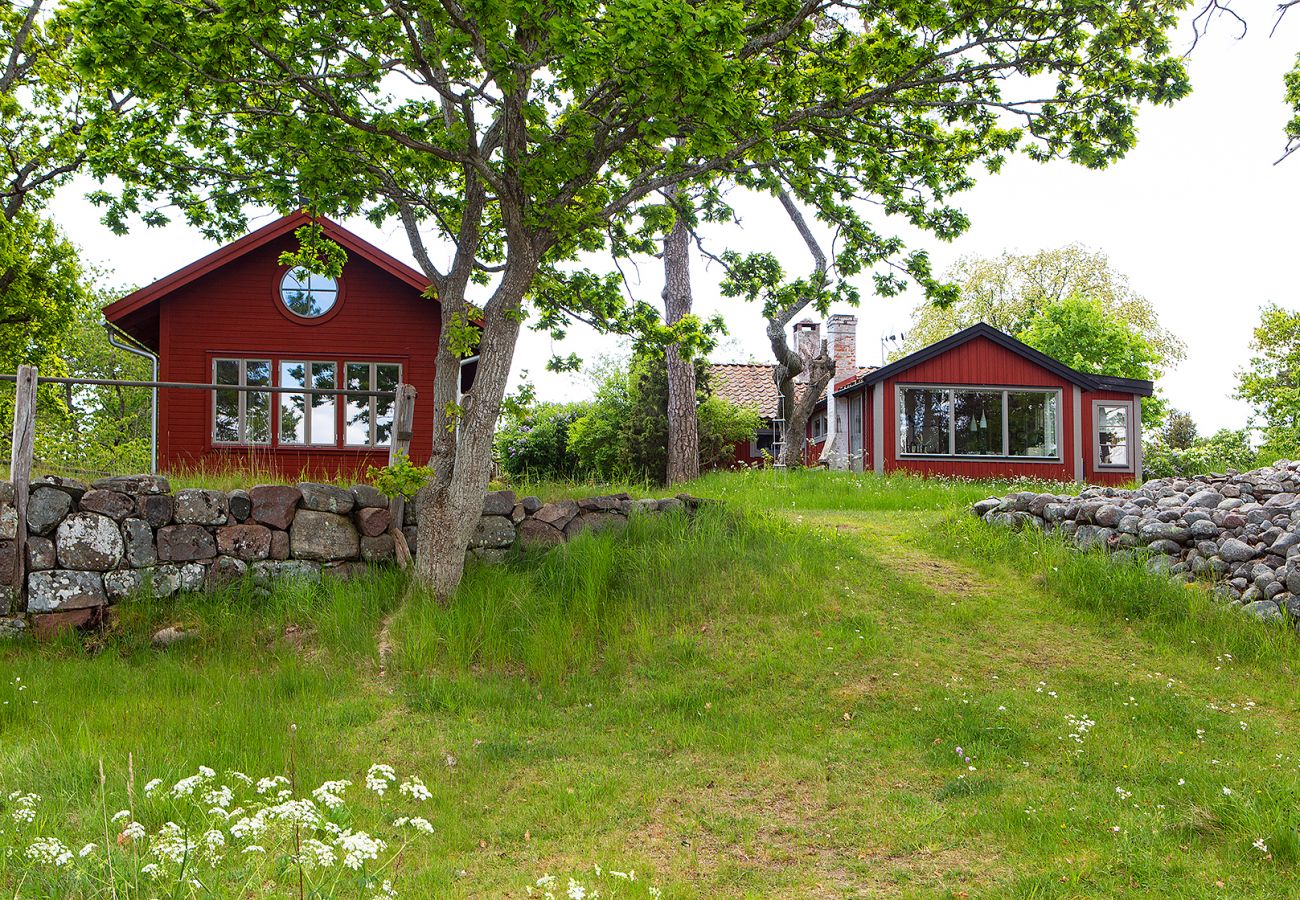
{"x":233,"y":310}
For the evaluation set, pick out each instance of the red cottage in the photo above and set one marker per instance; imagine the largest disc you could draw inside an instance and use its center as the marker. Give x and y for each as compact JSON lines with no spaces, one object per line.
{"x":239,"y":317}
{"x":981,"y":404}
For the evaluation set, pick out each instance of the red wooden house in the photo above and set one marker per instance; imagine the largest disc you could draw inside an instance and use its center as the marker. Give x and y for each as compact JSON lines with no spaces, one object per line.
{"x":239,"y":317}
{"x":981,"y":404}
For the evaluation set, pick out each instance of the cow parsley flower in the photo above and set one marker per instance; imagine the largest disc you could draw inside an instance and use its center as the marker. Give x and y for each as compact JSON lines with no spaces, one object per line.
{"x":576,"y":891}
{"x":1227,"y":792}
{"x":380,"y":777}
{"x":386,"y":891}
{"x":150,"y":869}
{"x":152,"y":786}
{"x":133,"y":831}
{"x":415,"y":789}
{"x":358,"y":847}
{"x":87,"y":850}
{"x":50,"y":851}
{"x":419,"y":823}
{"x":328,"y":794}
{"x":24,"y":806}
{"x":171,"y":844}
{"x":220,"y":797}
{"x":317,"y":854}
{"x":266,"y":785}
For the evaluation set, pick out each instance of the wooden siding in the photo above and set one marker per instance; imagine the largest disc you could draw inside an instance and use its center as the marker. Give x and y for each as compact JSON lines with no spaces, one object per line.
{"x":234,"y":312}
{"x":1092,"y":474}
{"x":979,"y":362}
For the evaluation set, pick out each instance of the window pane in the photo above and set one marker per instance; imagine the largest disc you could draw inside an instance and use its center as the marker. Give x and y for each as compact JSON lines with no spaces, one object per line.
{"x":356,"y":411}
{"x":307,"y":294}
{"x":387,"y":377}
{"x":1112,"y":435}
{"x":226,"y":371}
{"x":225,"y":428}
{"x":978,"y":422}
{"x":257,"y":372}
{"x":924,"y":421}
{"x":293,"y":429}
{"x":323,"y":406}
{"x":1032,"y":419}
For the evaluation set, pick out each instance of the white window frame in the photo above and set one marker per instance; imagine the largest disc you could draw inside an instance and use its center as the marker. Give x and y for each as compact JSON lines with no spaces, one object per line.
{"x":243,"y":402}
{"x":1005,"y":390}
{"x":764,"y":429}
{"x":373,"y":401}
{"x":819,"y":419}
{"x":1130,"y":436}
{"x":307,"y":393}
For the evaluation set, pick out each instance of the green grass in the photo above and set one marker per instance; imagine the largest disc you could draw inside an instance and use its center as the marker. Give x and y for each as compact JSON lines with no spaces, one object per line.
{"x":763,"y":702}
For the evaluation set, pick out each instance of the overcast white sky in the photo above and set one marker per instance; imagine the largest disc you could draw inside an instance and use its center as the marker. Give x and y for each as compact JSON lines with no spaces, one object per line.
{"x":1198,"y":216}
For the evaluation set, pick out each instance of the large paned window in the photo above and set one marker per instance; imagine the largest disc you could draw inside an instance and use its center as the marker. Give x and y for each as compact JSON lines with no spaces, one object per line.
{"x":368,"y":421}
{"x":308,"y":417}
{"x":241,"y":417}
{"x":1114,"y":435}
{"x":979,"y":421}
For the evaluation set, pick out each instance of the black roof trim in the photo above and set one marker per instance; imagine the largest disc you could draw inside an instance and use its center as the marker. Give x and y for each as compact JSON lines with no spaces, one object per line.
{"x":1002,"y":339}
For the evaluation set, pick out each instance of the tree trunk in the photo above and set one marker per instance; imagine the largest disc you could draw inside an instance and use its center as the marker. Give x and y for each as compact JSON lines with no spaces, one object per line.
{"x":798,"y":407}
{"x":683,"y":421}
{"x":448,"y":509}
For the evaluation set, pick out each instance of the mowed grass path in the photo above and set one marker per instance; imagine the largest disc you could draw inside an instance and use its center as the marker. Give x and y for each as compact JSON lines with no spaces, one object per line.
{"x":754,"y":704}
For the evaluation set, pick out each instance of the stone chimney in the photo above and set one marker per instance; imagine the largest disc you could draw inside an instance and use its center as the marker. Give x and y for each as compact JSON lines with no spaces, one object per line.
{"x":807,"y":342}
{"x":842,"y":336}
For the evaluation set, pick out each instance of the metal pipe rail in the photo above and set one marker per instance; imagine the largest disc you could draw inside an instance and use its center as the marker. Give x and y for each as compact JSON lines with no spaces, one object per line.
{"x":247,"y":388}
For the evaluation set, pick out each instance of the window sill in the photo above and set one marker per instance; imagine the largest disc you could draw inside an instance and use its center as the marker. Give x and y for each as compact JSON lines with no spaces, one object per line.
{"x":948,"y":457}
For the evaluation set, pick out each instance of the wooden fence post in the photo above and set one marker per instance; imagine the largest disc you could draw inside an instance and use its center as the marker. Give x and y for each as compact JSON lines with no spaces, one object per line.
{"x":20,"y":472}
{"x":399,"y":444}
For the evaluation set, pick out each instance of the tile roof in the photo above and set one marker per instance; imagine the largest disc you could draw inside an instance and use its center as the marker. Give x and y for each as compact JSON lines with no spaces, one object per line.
{"x":751,"y":384}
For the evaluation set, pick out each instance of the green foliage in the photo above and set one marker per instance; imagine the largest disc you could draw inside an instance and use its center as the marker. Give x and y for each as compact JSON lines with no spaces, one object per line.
{"x":621,"y":434}
{"x":1270,"y":383}
{"x":400,"y":478}
{"x":1225,"y":449}
{"x":1010,"y":290}
{"x":1180,"y":429}
{"x":41,"y":285}
{"x":533,"y":443}
{"x":1082,"y":334}
{"x":315,"y":252}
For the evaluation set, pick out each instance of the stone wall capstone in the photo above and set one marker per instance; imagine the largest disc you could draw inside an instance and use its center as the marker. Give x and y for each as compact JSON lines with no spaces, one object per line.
{"x":1240,"y":530}
{"x":90,"y":546}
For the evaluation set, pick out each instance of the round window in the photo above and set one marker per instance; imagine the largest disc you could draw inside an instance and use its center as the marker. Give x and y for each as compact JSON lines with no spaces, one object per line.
{"x":307,"y":294}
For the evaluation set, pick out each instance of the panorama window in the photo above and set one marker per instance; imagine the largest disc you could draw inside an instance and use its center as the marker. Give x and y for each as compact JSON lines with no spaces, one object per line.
{"x":307,"y":294}
{"x":1114,"y":423}
{"x":973,"y":422}
{"x":241,"y":417}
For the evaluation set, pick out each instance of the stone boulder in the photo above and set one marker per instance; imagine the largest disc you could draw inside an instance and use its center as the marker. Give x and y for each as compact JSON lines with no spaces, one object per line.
{"x":140,"y":548}
{"x":114,"y":504}
{"x":240,"y":505}
{"x":373,"y":520}
{"x":248,"y":541}
{"x":46,"y":508}
{"x":41,"y":554}
{"x":534,"y":532}
{"x":557,"y":515}
{"x":275,"y":505}
{"x":493,"y":531}
{"x":89,"y":542}
{"x":8,"y":561}
{"x":70,"y":486}
{"x":594,"y":521}
{"x":60,"y":589}
{"x":323,"y":536}
{"x":185,"y":543}
{"x":156,"y":509}
{"x":498,"y":503}
{"x":1234,"y":551}
{"x":197,"y":506}
{"x":8,"y":522}
{"x":140,"y":485}
{"x":366,"y":496}
{"x":325,"y":498}
{"x":122,"y":583}
{"x":377,"y":548}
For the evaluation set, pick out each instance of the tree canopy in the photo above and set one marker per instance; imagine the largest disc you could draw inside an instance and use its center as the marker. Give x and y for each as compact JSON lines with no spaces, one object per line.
{"x":1009,"y":291}
{"x":1270,"y":383}
{"x":510,"y":137}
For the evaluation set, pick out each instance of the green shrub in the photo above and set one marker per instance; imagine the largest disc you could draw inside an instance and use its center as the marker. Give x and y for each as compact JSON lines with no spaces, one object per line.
{"x":1225,"y":449}
{"x":533,"y":444}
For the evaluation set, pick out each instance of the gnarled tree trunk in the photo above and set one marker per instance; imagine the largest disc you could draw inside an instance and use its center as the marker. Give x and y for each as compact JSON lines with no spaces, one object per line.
{"x":683,"y":422}
{"x":798,"y":406}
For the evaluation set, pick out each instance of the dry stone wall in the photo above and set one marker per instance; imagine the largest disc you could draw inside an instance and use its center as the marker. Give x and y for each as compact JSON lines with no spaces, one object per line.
{"x":92,"y":545}
{"x":1240,"y":530}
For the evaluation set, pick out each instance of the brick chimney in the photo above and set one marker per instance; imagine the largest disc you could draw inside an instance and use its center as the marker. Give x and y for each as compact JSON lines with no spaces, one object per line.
{"x":807,"y":342}
{"x":842,"y":336}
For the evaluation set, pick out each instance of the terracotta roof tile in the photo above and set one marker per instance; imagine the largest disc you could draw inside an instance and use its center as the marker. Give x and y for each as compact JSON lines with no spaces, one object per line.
{"x":751,"y":384}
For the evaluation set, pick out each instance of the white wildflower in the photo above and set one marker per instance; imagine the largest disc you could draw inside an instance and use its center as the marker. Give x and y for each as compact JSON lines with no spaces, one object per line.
{"x":317,"y":854}
{"x":254,"y":848}
{"x":87,"y":850}
{"x":150,"y":869}
{"x":133,"y":831}
{"x":415,"y":789}
{"x":576,"y":891}
{"x":420,"y":823}
{"x":171,"y":844}
{"x":546,"y":881}
{"x":295,"y":812}
{"x":1227,"y":792}
{"x":386,"y":891}
{"x":329,"y":793}
{"x":380,"y":777}
{"x":120,"y":815}
{"x":50,"y":851}
{"x":214,"y":842}
{"x":1260,"y":845}
{"x":266,"y":785}
{"x":220,"y":797}
{"x":358,"y":847}
{"x":152,"y":786}
{"x":24,"y":806}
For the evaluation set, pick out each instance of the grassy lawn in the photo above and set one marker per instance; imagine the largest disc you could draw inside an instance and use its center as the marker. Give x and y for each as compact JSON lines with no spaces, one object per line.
{"x":767,"y":701}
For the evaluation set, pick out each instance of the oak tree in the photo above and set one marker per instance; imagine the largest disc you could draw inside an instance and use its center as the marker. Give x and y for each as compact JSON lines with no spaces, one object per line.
{"x":509,"y":138}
